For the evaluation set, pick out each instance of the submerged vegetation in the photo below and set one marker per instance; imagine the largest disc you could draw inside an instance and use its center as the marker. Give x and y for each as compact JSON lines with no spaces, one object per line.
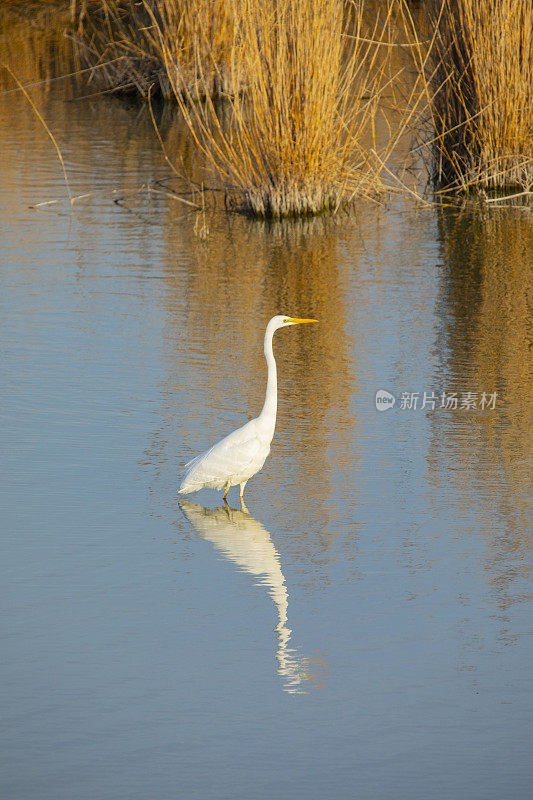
{"x":294,"y":104}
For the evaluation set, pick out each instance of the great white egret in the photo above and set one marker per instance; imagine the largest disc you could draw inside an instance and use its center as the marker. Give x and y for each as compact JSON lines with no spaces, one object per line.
{"x":242,"y":453}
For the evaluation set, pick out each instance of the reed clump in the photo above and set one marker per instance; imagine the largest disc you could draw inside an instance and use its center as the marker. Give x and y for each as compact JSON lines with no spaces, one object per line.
{"x":113,"y":39}
{"x":479,"y":75}
{"x":131,"y":45}
{"x":291,"y":142}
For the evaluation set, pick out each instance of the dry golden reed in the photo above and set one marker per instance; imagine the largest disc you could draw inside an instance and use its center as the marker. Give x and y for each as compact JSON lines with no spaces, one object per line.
{"x":195,"y":39}
{"x":479,"y":79}
{"x":311,"y":73}
{"x":113,"y":37}
{"x":131,"y":44}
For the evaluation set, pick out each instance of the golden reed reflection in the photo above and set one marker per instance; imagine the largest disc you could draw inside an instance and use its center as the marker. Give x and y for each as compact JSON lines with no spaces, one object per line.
{"x":39,"y":51}
{"x":245,"y":542}
{"x":486,"y":340}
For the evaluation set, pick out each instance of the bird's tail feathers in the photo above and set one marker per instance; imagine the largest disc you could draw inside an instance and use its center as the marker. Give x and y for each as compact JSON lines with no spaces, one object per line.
{"x":187,"y":488}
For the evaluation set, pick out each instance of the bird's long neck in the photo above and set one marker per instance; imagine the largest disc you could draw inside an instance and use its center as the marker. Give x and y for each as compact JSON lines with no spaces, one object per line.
{"x":267,"y":417}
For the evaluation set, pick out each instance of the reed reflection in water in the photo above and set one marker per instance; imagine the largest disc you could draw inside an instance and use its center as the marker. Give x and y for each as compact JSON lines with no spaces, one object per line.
{"x":218,"y":306}
{"x":485,"y":344}
{"x":36,"y":52}
{"x":244,"y":541}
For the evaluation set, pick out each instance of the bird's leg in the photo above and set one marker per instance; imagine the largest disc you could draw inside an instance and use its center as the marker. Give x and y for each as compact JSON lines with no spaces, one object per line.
{"x":242,"y":485}
{"x":225,"y":493}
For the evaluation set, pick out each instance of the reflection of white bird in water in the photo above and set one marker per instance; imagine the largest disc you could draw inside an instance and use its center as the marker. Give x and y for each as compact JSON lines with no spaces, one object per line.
{"x":243,"y":540}
{"x":242,"y":453}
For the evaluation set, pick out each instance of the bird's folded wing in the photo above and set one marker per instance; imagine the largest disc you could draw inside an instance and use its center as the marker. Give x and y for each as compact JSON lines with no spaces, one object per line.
{"x":227,"y":458}
{"x":224,"y":462}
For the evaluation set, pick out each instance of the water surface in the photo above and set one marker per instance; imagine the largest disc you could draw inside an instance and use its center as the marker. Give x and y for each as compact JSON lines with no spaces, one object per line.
{"x":362,"y":629}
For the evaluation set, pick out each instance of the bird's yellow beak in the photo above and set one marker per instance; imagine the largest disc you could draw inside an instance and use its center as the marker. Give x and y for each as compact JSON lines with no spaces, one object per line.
{"x":296,"y":320}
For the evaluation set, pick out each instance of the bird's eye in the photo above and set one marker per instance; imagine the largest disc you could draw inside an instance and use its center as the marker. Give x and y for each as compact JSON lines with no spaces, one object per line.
{"x":286,"y":321}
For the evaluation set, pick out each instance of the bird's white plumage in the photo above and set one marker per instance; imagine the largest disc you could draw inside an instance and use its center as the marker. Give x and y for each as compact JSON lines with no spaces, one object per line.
{"x":231,"y":461}
{"x":242,"y":453}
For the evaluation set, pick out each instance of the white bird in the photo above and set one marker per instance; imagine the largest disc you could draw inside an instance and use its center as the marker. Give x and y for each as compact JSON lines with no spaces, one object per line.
{"x":242,"y":453}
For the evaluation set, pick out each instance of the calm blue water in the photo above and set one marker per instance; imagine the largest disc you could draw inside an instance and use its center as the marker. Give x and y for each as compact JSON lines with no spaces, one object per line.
{"x":364,"y":631}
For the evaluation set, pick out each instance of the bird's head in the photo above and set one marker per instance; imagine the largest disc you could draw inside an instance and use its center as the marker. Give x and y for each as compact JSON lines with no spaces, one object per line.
{"x":283,"y":320}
